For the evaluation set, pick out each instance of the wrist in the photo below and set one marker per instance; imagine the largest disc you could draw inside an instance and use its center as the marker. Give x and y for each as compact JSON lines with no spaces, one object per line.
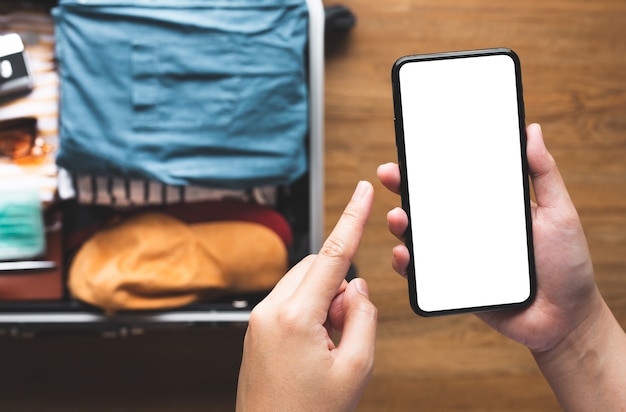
{"x":584,"y":366}
{"x":581,"y":336}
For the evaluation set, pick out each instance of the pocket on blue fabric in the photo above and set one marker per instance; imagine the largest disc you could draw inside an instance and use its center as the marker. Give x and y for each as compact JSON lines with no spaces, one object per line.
{"x":179,"y":84}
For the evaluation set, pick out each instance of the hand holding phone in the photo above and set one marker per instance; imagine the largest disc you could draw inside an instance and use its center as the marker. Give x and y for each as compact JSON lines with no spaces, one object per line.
{"x":460,"y":136}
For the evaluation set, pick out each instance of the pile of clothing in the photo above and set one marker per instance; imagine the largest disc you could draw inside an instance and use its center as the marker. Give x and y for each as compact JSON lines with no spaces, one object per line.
{"x":177,"y":122}
{"x":160,"y":258}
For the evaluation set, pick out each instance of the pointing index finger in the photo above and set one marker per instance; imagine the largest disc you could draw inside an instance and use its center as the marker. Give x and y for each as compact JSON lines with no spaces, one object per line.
{"x":329,"y":269}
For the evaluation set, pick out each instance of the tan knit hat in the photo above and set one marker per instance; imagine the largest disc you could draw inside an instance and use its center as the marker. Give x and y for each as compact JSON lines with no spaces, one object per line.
{"x":154,"y":261}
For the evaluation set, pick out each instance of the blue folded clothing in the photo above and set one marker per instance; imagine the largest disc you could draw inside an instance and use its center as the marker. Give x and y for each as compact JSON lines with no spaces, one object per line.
{"x":203,"y":92}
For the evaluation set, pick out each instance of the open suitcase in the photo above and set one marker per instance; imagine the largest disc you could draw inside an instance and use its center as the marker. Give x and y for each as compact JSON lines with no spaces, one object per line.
{"x":301,"y":201}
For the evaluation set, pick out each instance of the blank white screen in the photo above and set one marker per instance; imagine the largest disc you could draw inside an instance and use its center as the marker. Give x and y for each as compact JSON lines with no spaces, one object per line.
{"x":465,"y":180}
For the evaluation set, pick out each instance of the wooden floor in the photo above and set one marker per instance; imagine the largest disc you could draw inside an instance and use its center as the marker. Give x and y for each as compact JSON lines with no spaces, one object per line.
{"x":573,"y":55}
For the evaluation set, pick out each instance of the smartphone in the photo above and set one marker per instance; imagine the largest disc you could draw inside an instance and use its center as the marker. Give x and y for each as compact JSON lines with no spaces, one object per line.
{"x":461,"y":140}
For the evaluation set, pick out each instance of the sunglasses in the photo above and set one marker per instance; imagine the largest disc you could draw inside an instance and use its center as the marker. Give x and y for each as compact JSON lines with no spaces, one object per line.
{"x":18,"y":138}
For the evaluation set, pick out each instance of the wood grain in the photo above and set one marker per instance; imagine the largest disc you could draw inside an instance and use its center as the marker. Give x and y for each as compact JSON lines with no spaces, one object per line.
{"x":573,"y":57}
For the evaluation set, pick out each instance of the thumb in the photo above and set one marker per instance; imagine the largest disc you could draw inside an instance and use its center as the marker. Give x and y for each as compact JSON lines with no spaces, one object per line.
{"x":548,"y":185}
{"x":359,"y":331}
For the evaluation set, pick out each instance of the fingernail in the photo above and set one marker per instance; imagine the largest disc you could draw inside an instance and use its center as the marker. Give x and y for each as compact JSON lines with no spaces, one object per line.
{"x":361,"y":189}
{"x":536,"y":126}
{"x":361,"y":286}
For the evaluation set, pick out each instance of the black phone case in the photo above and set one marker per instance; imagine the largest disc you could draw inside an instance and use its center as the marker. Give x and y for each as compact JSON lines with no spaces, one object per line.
{"x":399,"y":132}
